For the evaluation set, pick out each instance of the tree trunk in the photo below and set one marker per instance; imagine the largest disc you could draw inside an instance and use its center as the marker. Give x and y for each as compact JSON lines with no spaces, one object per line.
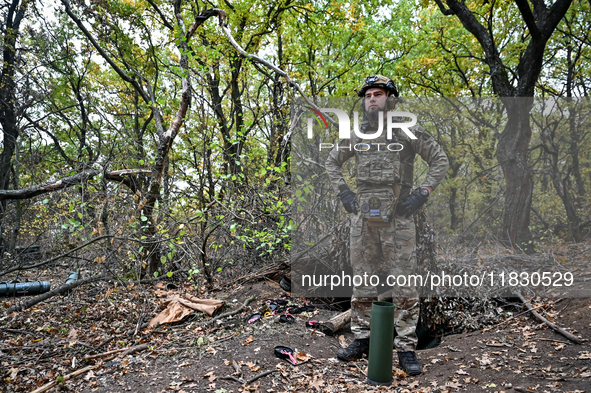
{"x":512,"y":155}
{"x":514,"y":141}
{"x":8,"y":119}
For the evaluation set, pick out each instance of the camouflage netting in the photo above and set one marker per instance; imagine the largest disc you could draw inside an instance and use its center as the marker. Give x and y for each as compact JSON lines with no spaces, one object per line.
{"x":452,"y":313}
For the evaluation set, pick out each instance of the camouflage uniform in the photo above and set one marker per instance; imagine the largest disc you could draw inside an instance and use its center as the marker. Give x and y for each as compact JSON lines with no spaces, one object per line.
{"x":394,"y":243}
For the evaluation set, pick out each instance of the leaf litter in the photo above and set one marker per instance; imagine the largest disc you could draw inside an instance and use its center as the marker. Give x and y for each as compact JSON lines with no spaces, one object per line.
{"x":53,"y":338}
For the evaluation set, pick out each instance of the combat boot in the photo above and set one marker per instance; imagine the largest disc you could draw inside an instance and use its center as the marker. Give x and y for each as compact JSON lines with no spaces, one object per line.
{"x":355,"y":350}
{"x":409,"y":363}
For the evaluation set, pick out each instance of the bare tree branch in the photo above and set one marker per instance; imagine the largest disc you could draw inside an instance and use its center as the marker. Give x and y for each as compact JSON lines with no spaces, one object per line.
{"x":68,"y":181}
{"x":273,"y":67}
{"x":528,"y":17}
{"x":104,"y":54}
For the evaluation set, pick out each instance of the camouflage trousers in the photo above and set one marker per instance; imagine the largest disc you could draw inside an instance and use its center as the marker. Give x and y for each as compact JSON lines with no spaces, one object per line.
{"x":393,"y":246}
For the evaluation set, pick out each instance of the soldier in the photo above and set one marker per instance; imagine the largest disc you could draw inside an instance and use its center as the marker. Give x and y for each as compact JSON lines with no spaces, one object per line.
{"x":382,"y":227}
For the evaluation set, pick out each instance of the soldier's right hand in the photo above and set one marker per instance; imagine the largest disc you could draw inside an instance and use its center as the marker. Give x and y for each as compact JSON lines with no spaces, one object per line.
{"x":348,"y":200}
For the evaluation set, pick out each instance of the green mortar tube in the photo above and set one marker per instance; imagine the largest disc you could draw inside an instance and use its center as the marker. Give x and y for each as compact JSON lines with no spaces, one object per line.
{"x":15,"y":288}
{"x":379,"y":370}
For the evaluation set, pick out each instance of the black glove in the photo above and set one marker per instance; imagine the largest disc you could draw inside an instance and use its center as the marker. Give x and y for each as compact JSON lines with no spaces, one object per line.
{"x":348,"y":200}
{"x":407,"y":206}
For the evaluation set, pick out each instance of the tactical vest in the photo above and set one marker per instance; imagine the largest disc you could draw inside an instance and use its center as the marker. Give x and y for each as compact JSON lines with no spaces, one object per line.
{"x":377,"y":165}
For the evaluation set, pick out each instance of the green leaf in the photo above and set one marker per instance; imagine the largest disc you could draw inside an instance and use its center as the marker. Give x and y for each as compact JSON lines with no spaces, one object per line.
{"x":155,"y":274}
{"x":169,"y":274}
{"x":144,"y":218}
{"x":163,"y":259}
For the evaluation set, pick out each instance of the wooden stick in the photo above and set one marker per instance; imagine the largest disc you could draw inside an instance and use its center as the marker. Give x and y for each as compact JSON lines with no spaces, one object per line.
{"x":540,"y":318}
{"x":230,"y":313}
{"x":233,"y":379}
{"x":125,"y":352}
{"x":50,"y":385}
{"x":102,"y":355}
{"x":551,"y":340}
{"x":260,"y":376}
{"x":335,"y":323}
{"x":135,"y":349}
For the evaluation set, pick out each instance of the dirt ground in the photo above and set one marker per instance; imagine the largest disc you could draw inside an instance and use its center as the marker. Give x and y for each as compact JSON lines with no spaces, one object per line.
{"x":518,"y":355}
{"x":49,"y":341}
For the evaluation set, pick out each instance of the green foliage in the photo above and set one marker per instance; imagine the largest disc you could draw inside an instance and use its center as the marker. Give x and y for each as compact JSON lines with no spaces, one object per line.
{"x":223,"y":202}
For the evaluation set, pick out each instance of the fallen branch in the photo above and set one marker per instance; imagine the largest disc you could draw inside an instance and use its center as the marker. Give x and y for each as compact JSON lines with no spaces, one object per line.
{"x":31,"y":302}
{"x":123,"y":352}
{"x":137,"y":348}
{"x":230,"y":313}
{"x":551,"y":340}
{"x":260,"y":376}
{"x":335,"y":323}
{"x":102,"y":355}
{"x":540,"y":318}
{"x":76,"y":373}
{"x":133,"y":332}
{"x":240,"y":381}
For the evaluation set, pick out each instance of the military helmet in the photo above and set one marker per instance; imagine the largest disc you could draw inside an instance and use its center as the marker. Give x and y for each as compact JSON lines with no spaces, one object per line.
{"x":383,"y":82}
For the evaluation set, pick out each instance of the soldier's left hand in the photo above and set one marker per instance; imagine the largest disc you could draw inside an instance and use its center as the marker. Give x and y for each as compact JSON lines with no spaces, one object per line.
{"x":412,"y":203}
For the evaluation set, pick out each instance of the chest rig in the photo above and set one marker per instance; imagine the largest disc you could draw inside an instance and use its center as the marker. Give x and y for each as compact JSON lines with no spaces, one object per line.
{"x":378,"y":178}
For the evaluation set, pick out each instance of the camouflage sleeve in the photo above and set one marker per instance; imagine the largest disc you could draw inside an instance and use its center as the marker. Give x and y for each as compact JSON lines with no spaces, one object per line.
{"x":334,"y":163}
{"x":430,"y":151}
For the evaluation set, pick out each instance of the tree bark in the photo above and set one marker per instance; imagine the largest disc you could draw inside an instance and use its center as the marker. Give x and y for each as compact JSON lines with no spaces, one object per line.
{"x":8,"y":119}
{"x":68,"y":181}
{"x":512,"y":156}
{"x":514,"y":141}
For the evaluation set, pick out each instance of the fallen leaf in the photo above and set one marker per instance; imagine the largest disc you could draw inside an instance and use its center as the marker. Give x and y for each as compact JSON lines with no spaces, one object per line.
{"x":251,"y":365}
{"x":249,"y":339}
{"x":342,"y":341}
{"x":585,"y":355}
{"x":461,"y":372}
{"x":303,"y":357}
{"x":211,"y":350}
{"x":13,"y":372}
{"x":558,"y":346}
{"x":317,"y":382}
{"x":73,"y":335}
{"x":210,"y":375}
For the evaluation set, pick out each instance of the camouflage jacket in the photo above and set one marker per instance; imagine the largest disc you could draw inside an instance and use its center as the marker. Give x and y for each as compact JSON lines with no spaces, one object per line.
{"x":425,"y":146}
